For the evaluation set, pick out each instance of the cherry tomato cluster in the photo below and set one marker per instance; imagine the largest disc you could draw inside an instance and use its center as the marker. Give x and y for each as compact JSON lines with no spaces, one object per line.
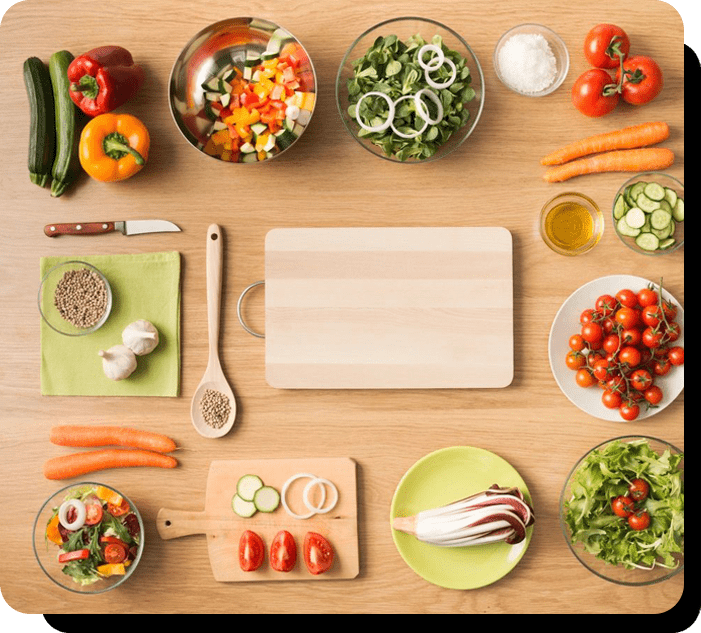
{"x":638,"y":79}
{"x":626,"y":506}
{"x":625,"y":343}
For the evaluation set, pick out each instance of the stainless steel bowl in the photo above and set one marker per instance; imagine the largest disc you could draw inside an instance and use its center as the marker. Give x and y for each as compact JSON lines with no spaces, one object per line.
{"x":209,"y":53}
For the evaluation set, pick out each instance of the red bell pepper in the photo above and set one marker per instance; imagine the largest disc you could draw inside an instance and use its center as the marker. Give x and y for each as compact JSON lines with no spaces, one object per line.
{"x":104,"y":79}
{"x":79,"y":554}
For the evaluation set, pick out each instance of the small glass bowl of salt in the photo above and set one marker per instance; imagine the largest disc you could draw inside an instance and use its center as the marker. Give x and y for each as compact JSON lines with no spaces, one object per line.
{"x":531,"y":59}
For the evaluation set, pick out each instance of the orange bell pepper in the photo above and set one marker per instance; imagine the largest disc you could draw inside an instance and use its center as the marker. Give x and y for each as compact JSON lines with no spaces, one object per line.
{"x":113,"y":147}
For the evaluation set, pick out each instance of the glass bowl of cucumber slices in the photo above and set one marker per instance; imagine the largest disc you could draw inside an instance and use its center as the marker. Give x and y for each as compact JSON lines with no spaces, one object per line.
{"x":648,"y":213}
{"x":242,"y":90}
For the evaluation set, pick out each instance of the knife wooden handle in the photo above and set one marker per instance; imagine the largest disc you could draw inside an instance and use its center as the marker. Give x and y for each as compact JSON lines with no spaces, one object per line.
{"x":87,"y":228}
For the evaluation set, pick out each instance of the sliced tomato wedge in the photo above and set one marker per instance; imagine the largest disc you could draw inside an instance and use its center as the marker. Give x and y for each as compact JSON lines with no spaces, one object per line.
{"x":115,"y":553}
{"x":93,"y":513}
{"x":318,"y":553}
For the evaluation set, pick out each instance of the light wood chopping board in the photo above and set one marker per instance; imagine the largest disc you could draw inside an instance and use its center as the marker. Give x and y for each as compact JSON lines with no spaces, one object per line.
{"x":389,"y":308}
{"x":224,"y":528}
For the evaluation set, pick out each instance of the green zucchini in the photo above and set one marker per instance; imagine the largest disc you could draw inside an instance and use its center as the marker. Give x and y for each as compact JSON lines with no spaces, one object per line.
{"x":66,"y":165}
{"x":42,"y":130}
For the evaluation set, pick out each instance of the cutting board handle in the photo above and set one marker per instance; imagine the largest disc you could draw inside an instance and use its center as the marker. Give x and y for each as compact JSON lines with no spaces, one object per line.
{"x":177,"y":523}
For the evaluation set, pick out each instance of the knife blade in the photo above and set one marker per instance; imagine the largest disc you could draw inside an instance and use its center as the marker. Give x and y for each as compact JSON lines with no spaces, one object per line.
{"x":127,"y":227}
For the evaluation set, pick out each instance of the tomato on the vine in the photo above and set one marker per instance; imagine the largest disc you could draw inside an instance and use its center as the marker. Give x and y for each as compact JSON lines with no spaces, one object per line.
{"x":600,"y":370}
{"x":676,"y":355}
{"x":631,"y":336}
{"x":605,"y":305}
{"x":647,"y":297}
{"x":592,"y":332}
{"x":639,"y":520}
{"x":627,"y":298}
{"x":627,"y":317}
{"x":588,"y":316}
{"x":595,"y":93}
{"x":611,"y":399}
{"x":672,"y":331}
{"x":576,"y":342}
{"x":612,"y":343}
{"x":639,"y":489}
{"x":629,"y":411}
{"x":651,"y":315}
{"x":585,"y":378}
{"x":642,"y":80}
{"x":630,"y":355}
{"x":623,"y":506}
{"x":661,"y":366}
{"x":641,"y":379}
{"x":653,"y":394}
{"x":652,"y":337}
{"x":605,"y":44}
{"x":575,"y":360}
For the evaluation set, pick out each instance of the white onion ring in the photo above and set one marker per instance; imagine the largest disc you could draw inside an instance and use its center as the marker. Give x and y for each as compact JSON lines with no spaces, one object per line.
{"x":80,"y":511}
{"x":439,"y":58}
{"x":320,"y":509}
{"x":445,"y":84}
{"x":416,"y":132}
{"x":423,"y":110}
{"x":283,"y":495}
{"x":390,"y":115}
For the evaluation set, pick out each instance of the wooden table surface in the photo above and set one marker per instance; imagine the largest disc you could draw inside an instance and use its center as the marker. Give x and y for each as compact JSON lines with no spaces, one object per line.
{"x":325,"y":180}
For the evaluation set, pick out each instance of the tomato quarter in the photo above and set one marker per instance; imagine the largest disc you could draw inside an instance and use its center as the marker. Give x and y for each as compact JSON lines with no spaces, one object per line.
{"x":251,"y":551}
{"x":283,"y":552}
{"x":318,"y":553}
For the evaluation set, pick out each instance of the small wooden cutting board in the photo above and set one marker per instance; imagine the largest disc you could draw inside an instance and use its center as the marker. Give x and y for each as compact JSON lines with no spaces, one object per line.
{"x":224,"y":528}
{"x":389,"y":308}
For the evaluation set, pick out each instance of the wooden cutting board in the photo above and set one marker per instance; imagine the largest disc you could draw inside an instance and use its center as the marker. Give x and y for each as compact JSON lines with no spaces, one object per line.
{"x":389,"y":308}
{"x":224,"y":528}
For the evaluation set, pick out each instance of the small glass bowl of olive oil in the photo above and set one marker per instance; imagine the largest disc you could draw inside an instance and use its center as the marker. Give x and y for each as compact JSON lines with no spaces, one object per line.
{"x":571,"y":223}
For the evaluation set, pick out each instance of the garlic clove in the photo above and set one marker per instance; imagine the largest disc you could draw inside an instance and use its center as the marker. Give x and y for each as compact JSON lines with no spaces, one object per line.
{"x":118,"y":362}
{"x":141,"y":337}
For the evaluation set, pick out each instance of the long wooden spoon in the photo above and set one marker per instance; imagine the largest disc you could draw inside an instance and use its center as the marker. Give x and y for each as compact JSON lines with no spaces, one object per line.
{"x":213,"y":378}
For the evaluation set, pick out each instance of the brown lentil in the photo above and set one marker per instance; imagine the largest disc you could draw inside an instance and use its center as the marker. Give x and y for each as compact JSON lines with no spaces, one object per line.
{"x":215,"y":408}
{"x":81,"y":297}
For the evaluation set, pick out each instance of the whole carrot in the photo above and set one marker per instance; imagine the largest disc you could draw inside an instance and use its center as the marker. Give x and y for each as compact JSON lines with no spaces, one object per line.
{"x":76,"y":464}
{"x":628,"y":138}
{"x":646,"y":159}
{"x":74,"y":435}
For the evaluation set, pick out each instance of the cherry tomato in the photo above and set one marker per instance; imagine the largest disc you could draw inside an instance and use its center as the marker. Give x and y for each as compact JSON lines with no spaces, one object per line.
{"x":318,"y":553}
{"x":661,"y":367}
{"x":639,"y":489}
{"x":588,"y":316}
{"x":592,"y":332}
{"x":669,"y":309}
{"x":93,"y":513}
{"x":283,"y":552}
{"x":652,"y":337}
{"x":641,"y":379}
{"x":676,"y":355}
{"x":617,"y":384}
{"x":601,"y":370}
{"x":629,"y":411}
{"x":651,"y":315}
{"x":605,"y":44}
{"x":251,"y":551}
{"x":653,"y":394}
{"x":647,"y":297}
{"x":627,"y":298}
{"x":630,"y":356}
{"x":576,"y":342}
{"x":642,"y":80}
{"x":612,"y":343}
{"x":575,"y":360}
{"x":584,"y":378}
{"x":606,"y":304}
{"x":627,"y":317}
{"x":672,"y":331}
{"x":608,"y":325}
{"x":114,"y":553}
{"x":611,"y":399}
{"x":595,"y":93}
{"x":632,"y":336}
{"x":623,"y":506}
{"x":639,"y":520}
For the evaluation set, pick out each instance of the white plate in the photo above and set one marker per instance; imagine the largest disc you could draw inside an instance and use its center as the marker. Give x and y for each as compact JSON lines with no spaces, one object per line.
{"x":566,"y":323}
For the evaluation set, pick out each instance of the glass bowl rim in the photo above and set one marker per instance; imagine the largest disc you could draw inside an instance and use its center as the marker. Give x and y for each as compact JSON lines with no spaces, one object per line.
{"x":139,"y":551}
{"x":407,"y":18}
{"x":596,"y":212}
{"x":108,"y":309}
{"x":193,"y":39}
{"x":556,"y":84}
{"x":563,"y":526}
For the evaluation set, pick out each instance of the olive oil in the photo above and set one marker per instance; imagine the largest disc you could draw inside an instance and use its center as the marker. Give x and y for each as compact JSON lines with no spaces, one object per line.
{"x":569,"y":225}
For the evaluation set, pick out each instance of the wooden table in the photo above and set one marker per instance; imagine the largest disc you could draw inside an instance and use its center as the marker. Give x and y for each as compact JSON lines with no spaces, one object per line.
{"x":326,"y":180}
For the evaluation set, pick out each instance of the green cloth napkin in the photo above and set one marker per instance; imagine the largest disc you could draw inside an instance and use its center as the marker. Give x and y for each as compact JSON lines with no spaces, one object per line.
{"x":144,"y":286}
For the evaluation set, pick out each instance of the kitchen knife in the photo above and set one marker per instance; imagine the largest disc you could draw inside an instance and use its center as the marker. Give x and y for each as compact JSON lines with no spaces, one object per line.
{"x":129,"y":227}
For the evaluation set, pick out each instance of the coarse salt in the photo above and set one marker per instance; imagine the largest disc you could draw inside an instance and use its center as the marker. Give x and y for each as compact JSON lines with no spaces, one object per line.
{"x":527,"y":63}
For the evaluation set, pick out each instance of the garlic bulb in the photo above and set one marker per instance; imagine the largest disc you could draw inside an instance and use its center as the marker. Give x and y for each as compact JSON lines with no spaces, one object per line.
{"x":141,"y":337}
{"x":118,"y":362}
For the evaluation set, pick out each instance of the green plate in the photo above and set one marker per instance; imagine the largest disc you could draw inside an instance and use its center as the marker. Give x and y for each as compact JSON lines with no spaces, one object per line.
{"x":440,"y":478}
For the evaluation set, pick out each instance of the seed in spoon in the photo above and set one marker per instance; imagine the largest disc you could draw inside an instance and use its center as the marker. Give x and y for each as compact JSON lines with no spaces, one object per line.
{"x":215,"y":408}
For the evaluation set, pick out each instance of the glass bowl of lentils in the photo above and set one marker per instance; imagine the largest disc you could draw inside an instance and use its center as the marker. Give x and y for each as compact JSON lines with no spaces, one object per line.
{"x":75,"y":298}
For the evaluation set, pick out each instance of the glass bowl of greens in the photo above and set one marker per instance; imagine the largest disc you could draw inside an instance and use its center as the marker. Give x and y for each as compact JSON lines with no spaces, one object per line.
{"x":88,"y":538}
{"x":622,"y":510}
{"x":410,"y":90}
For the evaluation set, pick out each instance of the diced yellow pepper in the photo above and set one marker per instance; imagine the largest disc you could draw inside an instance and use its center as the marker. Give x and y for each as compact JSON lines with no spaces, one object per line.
{"x":270,"y":63}
{"x":108,"y":496}
{"x":262,"y":155}
{"x":261,"y":141}
{"x":308,"y":101}
{"x":111,"y":569}
{"x":220,"y":137}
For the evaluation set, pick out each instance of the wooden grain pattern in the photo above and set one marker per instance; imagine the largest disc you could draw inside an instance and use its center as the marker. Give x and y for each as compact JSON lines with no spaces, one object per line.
{"x":388,"y":308}
{"x":326,"y":180}
{"x":223,"y":528}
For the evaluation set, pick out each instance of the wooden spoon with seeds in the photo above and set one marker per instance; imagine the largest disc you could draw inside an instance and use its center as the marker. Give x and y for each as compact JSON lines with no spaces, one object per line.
{"x":209,"y":412}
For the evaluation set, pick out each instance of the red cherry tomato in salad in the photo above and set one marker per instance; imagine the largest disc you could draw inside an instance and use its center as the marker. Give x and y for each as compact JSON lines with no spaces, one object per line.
{"x":114,"y":553}
{"x":318,"y":553}
{"x":629,"y":411}
{"x":605,"y":44}
{"x":283,"y":552}
{"x":647,"y":297}
{"x":639,"y":520}
{"x":642,"y":80}
{"x":623,"y":506}
{"x":639,"y":489}
{"x":93,"y":513}
{"x":676,"y":355}
{"x":118,"y":510}
{"x":594,"y":93}
{"x":251,"y":551}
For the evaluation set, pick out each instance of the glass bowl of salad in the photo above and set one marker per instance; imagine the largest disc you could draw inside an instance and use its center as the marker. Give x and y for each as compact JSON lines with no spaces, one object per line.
{"x":622,"y":510}
{"x":88,"y":537}
{"x":242,"y":90}
{"x":410,"y":90}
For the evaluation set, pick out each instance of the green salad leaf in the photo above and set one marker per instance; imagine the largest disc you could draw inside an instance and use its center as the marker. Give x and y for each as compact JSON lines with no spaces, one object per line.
{"x":390,"y":66}
{"x":605,"y":474}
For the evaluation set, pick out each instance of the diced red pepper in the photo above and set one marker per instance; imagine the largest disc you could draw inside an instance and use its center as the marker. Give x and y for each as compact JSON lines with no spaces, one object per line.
{"x":79,"y":554}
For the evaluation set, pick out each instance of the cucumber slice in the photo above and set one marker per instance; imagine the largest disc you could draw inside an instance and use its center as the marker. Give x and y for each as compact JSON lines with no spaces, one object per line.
{"x":660,"y":219}
{"x":266,"y":499}
{"x":678,"y":210}
{"x":623,"y":228}
{"x":670,"y":196}
{"x":646,"y":204}
{"x":244,"y":509}
{"x":648,"y":241}
{"x":667,"y":243}
{"x":654,"y":191}
{"x":637,"y":189}
{"x":665,"y":206}
{"x":635,"y":218}
{"x":664,"y":233}
{"x":620,"y":207}
{"x":247,"y":487}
